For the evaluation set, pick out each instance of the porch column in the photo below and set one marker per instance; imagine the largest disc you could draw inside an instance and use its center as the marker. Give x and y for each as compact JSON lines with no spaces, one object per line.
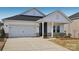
{"x":42,"y":29}
{"x":51,"y":29}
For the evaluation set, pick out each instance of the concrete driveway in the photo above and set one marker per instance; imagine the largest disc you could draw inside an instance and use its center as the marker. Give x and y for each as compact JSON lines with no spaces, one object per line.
{"x":31,"y":44}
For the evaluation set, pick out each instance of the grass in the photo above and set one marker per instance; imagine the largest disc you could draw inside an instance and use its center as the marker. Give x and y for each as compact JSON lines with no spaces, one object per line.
{"x":2,"y":43}
{"x":72,"y":44}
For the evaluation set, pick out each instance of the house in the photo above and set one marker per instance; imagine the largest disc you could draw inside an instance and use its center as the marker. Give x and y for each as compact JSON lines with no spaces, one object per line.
{"x":73,"y":27}
{"x":34,"y":23}
{"x":54,"y":23}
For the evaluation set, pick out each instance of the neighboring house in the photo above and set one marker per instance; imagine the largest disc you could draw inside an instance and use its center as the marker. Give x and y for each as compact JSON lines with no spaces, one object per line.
{"x":34,"y":23}
{"x":73,"y":27}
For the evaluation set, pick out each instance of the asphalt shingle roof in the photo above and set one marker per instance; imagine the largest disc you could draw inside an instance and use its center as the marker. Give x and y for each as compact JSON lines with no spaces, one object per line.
{"x":74,"y":16}
{"x":24,"y":17}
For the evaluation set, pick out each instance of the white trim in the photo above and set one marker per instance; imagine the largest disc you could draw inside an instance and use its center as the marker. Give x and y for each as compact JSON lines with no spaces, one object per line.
{"x":52,"y":29}
{"x":42,"y":29}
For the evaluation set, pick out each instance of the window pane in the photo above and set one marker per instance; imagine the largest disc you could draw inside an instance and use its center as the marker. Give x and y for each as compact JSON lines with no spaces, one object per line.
{"x":58,"y":29}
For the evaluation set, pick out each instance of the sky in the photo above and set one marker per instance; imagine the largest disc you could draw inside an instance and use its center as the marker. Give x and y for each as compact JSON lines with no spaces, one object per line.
{"x":11,"y":11}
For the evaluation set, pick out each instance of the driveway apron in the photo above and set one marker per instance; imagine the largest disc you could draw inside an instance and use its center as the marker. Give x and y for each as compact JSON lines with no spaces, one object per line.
{"x":31,"y":44}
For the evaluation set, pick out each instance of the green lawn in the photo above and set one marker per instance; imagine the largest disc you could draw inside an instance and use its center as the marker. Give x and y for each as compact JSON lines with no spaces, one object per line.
{"x":72,"y":44}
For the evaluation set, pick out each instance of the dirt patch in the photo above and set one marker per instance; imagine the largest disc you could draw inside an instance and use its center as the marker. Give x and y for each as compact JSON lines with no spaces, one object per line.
{"x":2,"y":43}
{"x":71,"y":44}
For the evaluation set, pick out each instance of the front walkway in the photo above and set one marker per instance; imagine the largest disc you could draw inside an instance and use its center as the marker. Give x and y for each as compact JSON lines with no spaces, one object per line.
{"x":31,"y":44}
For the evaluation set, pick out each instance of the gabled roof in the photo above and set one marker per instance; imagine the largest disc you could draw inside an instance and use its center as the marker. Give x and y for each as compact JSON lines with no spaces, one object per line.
{"x":31,"y":15}
{"x":24,"y":17}
{"x":33,"y":12}
{"x":74,"y":16}
{"x":56,"y":16}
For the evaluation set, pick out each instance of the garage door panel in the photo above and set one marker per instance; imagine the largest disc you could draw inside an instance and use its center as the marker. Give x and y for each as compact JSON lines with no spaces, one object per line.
{"x":21,"y":31}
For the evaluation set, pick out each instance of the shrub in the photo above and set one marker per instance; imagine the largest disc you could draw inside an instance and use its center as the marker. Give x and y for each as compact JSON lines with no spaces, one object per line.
{"x":2,"y":33}
{"x":69,"y":35}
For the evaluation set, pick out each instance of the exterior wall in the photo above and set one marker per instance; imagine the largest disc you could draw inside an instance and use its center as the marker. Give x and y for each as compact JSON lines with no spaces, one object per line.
{"x":73,"y":28}
{"x":61,"y":27}
{"x":10,"y":23}
{"x":49,"y":27}
{"x":67,"y":28}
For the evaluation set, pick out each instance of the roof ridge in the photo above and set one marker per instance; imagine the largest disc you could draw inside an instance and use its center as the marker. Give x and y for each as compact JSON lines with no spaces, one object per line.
{"x":34,"y":9}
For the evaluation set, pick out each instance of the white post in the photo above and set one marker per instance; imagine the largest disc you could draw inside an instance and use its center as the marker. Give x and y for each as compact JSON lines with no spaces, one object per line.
{"x":42,"y":29}
{"x":51,"y":29}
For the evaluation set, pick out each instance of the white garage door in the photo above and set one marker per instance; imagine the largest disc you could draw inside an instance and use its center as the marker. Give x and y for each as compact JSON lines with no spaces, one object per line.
{"x":22,"y":31}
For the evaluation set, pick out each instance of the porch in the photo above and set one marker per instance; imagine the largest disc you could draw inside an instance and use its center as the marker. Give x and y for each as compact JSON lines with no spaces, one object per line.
{"x":49,"y":29}
{"x":53,"y":24}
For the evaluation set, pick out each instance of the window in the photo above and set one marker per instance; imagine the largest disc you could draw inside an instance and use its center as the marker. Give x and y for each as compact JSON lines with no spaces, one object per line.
{"x":58,"y":29}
